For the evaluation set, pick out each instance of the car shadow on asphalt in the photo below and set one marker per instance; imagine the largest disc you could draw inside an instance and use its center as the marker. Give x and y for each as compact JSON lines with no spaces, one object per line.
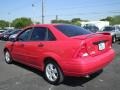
{"x":69,"y":81}
{"x":36,"y":71}
{"x":119,"y":42}
{"x":79,"y":81}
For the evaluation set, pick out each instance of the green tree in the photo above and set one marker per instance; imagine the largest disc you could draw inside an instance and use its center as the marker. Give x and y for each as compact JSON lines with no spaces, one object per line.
{"x":3,"y":24}
{"x":109,"y":18}
{"x":75,"y":21}
{"x":61,"y":21}
{"x":21,"y":22}
{"x":115,"y":20}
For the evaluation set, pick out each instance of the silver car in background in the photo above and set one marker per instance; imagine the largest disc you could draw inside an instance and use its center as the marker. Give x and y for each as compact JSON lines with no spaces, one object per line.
{"x":114,"y":32}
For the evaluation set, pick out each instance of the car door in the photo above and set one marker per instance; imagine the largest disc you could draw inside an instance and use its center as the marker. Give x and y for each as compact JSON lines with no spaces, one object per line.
{"x":40,"y":42}
{"x":117,"y":30}
{"x":19,"y":48}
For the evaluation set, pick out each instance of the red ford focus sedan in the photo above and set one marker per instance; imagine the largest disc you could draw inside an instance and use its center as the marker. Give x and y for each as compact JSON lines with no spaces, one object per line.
{"x":60,"y":50}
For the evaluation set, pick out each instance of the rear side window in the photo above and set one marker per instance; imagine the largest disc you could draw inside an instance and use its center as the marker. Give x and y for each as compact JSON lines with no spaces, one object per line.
{"x":50,"y":36}
{"x":39,"y":33}
{"x":42,"y":34}
{"x":72,"y":30}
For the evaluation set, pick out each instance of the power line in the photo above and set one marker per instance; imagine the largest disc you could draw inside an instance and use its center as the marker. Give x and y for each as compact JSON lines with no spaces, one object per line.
{"x":70,"y":8}
{"x":81,"y":7}
{"x":67,"y":8}
{"x":94,"y":13}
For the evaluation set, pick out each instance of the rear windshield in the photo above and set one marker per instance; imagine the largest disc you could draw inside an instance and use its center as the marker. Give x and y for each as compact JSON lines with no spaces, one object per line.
{"x":109,"y":29}
{"x":72,"y":30}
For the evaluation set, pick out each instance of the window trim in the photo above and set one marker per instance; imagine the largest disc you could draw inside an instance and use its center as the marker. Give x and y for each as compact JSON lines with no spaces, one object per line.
{"x":47,"y":33}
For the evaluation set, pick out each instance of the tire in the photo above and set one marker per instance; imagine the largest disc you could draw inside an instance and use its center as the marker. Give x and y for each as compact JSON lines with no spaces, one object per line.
{"x":96,"y":73}
{"x":113,"y":39}
{"x":8,"y":58}
{"x":118,"y":39}
{"x":53,"y":73}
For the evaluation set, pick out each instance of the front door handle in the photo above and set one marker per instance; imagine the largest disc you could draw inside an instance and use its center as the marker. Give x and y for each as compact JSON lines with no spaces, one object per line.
{"x":40,"y":45}
{"x":21,"y":45}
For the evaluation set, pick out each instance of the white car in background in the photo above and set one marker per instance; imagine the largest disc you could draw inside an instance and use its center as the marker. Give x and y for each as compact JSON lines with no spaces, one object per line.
{"x":12,"y":36}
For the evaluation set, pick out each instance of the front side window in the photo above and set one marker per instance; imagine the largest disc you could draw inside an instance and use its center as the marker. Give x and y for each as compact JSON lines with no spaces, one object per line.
{"x":72,"y":30}
{"x":25,"y":35}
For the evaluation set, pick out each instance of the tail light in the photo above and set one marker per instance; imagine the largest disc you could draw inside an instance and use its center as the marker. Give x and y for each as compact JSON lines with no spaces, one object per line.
{"x":82,"y":51}
{"x":104,"y":33}
{"x":110,"y":43}
{"x":91,"y":50}
{"x":85,"y":51}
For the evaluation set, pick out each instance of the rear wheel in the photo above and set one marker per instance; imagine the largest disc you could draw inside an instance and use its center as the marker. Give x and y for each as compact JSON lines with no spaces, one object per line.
{"x":53,"y":74}
{"x":8,"y":58}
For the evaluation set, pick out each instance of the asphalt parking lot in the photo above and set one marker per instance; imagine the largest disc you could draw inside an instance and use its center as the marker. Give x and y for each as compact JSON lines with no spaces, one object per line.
{"x":20,"y":77}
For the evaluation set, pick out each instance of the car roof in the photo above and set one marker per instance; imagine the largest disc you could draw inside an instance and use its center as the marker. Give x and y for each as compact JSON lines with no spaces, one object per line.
{"x":2,"y":30}
{"x":47,"y":25}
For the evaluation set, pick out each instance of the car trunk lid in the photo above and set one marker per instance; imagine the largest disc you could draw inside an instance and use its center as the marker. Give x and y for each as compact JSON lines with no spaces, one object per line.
{"x":95,"y":44}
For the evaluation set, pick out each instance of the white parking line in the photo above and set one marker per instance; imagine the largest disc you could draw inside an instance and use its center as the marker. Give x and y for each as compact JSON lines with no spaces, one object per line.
{"x":51,"y":87}
{"x":1,"y":41}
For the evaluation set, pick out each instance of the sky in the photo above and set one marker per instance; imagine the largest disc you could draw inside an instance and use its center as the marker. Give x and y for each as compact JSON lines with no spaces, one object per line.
{"x":64,"y":9}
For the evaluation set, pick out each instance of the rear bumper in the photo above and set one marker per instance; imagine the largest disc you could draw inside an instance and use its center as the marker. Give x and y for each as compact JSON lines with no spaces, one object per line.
{"x":88,"y":65}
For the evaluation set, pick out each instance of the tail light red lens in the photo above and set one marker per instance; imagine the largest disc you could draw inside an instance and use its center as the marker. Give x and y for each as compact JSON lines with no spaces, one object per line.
{"x":91,"y":50}
{"x":110,"y":44}
{"x":83,"y":51}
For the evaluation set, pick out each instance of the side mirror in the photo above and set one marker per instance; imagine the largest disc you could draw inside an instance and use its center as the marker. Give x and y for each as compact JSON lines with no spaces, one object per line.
{"x":12,"y":38}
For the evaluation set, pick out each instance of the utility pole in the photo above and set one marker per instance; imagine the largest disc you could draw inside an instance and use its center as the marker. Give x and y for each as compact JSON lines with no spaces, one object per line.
{"x":9,"y":21}
{"x":56,"y":17}
{"x":42,"y":11}
{"x":33,"y":7}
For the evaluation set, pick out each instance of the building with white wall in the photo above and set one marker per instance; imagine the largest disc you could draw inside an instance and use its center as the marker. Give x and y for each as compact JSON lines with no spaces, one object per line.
{"x":99,"y":24}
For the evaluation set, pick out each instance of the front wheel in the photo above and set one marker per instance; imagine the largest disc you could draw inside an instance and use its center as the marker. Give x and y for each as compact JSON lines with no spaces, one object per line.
{"x":8,"y":58}
{"x":53,"y":74}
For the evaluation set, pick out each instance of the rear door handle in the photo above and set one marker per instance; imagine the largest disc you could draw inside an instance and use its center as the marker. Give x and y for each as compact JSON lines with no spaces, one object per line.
{"x":40,"y":45}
